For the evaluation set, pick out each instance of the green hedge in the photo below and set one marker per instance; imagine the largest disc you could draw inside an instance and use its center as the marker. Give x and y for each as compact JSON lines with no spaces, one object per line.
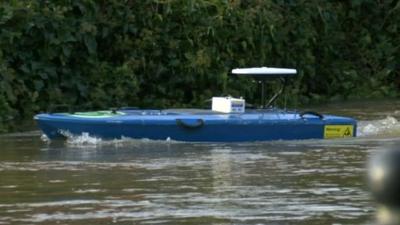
{"x":177,"y":53}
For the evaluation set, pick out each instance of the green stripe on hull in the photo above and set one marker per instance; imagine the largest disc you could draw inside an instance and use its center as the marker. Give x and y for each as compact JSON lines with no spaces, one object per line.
{"x":96,"y":114}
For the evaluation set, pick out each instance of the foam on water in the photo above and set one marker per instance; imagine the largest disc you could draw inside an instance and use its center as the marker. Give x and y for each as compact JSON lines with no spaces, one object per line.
{"x":388,"y":126}
{"x":85,"y":139}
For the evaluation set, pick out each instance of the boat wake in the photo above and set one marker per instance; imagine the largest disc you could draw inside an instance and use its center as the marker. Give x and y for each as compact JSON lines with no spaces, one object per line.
{"x":387,"y":127}
{"x":86,"y":140}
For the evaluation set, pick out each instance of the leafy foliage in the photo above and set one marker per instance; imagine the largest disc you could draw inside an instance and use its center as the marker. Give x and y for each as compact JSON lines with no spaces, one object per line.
{"x":177,"y":53}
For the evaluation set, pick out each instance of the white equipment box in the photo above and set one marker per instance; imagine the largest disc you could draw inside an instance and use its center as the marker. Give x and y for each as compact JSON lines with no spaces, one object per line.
{"x":228,"y":104}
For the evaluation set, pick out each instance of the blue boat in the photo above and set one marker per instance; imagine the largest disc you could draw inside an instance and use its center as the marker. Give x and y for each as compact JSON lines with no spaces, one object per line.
{"x":228,"y":120}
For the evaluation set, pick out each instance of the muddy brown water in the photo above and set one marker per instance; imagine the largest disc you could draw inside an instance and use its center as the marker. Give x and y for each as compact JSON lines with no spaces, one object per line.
{"x":90,"y":181}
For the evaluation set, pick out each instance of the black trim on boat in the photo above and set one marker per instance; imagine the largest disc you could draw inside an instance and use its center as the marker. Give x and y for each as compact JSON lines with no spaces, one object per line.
{"x":302,"y":114}
{"x":181,"y":122}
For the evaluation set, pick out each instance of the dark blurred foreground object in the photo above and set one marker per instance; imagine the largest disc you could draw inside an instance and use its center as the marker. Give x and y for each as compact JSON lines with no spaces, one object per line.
{"x":384,"y":182}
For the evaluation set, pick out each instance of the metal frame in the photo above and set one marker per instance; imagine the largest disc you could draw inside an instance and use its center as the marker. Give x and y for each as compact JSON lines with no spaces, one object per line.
{"x":264,"y":103}
{"x":261,"y":75}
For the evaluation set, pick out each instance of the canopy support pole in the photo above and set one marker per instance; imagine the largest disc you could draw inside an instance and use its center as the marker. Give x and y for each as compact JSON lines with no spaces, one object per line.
{"x":262,"y":94}
{"x":273,"y":99}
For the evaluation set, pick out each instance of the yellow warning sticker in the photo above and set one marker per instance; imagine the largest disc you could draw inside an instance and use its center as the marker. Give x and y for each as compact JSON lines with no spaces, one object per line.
{"x":338,"y":131}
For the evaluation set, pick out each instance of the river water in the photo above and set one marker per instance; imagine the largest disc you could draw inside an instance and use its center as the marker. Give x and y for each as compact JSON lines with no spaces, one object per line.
{"x":89,"y":181}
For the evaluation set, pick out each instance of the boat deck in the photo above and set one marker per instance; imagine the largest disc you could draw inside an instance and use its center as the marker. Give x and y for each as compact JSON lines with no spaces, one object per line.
{"x":186,"y":111}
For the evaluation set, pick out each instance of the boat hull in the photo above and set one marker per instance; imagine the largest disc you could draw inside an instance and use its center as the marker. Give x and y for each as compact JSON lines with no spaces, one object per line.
{"x":256,"y":126}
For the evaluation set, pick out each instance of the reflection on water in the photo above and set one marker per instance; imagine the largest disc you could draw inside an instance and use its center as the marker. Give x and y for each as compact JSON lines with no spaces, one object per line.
{"x":149,"y":182}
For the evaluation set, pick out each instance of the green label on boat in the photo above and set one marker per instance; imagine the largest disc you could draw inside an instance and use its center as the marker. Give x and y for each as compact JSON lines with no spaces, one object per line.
{"x":338,"y":131}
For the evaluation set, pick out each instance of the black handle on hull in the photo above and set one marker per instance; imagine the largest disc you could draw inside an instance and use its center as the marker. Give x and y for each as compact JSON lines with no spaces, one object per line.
{"x":302,"y":114}
{"x":190,"y":123}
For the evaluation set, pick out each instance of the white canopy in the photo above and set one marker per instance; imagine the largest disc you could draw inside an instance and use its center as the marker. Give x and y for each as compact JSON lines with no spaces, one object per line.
{"x":264,"y":71}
